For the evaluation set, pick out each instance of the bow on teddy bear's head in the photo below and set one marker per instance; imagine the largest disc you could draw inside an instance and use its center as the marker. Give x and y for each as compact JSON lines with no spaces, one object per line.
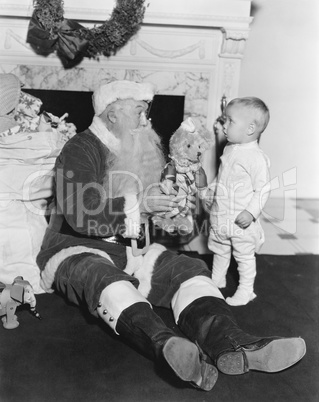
{"x":187,"y":144}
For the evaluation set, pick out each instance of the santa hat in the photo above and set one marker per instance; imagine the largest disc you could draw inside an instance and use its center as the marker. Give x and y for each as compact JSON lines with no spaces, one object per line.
{"x":10,"y":89}
{"x":115,"y":90}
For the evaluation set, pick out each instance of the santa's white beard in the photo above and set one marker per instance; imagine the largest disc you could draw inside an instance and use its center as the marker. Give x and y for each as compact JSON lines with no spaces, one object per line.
{"x":137,"y":166}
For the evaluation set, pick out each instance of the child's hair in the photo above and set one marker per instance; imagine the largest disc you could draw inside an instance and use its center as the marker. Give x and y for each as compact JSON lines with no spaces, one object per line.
{"x":261,"y":111}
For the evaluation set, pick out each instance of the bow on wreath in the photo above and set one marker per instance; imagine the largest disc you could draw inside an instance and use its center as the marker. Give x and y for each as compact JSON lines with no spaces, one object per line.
{"x":48,"y":31}
{"x":69,"y":46}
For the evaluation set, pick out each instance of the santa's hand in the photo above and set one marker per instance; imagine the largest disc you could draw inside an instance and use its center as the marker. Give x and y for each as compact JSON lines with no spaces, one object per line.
{"x":166,"y":186}
{"x":153,"y":200}
{"x":191,"y":201}
{"x":244,"y":219}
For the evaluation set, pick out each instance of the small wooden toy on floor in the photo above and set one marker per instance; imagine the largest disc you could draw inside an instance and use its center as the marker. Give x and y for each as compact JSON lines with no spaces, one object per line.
{"x":12,"y":296}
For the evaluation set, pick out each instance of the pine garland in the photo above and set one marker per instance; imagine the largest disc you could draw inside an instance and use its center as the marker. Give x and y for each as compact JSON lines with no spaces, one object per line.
{"x":50,"y":15}
{"x":124,"y":23}
{"x":106,"y":39}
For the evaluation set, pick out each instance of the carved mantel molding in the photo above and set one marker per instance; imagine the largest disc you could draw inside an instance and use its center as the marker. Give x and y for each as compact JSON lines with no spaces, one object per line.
{"x":234,"y":41}
{"x":231,"y":17}
{"x":190,"y":48}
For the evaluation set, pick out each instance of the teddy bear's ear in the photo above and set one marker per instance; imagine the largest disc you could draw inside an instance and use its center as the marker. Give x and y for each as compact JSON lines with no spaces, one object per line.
{"x":188,"y":125}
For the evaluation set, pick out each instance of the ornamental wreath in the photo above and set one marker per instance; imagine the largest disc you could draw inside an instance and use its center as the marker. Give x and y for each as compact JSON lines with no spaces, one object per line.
{"x":48,"y":31}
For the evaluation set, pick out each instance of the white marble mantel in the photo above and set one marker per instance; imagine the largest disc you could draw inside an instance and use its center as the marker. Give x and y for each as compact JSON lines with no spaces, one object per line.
{"x":186,"y":47}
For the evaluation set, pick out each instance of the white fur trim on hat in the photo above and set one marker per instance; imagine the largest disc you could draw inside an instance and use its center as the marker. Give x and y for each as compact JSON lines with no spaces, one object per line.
{"x":115,"y":90}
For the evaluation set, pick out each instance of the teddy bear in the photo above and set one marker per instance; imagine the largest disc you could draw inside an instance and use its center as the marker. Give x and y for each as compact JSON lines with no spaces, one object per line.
{"x":185,"y":174}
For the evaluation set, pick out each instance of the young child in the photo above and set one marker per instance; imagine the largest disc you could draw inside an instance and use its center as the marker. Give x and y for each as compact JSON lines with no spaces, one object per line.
{"x":240,"y":192}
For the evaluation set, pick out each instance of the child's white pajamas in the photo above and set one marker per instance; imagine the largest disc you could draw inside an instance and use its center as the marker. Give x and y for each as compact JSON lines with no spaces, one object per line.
{"x":242,"y":184}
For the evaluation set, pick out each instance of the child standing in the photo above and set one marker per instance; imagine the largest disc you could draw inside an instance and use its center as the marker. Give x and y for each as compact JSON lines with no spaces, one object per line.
{"x":240,"y":193}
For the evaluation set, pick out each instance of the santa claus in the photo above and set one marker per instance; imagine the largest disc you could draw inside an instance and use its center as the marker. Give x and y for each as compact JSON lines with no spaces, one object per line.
{"x":106,"y":188}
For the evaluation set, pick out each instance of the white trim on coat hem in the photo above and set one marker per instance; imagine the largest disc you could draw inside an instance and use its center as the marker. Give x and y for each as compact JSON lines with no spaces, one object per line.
{"x":47,"y":275}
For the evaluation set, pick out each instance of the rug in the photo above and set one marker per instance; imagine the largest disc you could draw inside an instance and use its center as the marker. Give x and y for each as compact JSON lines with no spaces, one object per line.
{"x":71,"y":356}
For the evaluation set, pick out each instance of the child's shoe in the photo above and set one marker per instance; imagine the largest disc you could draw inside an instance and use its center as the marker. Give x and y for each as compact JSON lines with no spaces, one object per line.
{"x":241,"y":298}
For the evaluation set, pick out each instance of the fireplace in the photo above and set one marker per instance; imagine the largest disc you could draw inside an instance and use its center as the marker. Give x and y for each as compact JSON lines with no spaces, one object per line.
{"x":191,"y":50}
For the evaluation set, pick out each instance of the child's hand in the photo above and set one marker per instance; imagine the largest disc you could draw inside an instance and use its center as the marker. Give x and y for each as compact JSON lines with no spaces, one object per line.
{"x":200,"y":178}
{"x":244,"y":219}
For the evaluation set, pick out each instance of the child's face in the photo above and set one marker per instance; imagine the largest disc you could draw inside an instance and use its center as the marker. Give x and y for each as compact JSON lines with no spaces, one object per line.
{"x":237,"y":125}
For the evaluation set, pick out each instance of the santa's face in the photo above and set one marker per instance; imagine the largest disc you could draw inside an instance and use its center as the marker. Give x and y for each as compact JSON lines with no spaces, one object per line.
{"x":131,"y":115}
{"x":140,"y":160}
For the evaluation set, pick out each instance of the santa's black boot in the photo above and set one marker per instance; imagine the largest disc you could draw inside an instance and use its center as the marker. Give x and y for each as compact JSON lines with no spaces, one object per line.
{"x":145,"y":330}
{"x":209,"y":322}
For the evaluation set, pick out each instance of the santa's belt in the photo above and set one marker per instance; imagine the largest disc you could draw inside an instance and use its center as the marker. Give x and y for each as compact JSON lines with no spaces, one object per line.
{"x":139,"y":246}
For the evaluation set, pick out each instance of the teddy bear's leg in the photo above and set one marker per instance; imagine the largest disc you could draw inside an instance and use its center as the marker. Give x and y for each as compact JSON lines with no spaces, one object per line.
{"x":166,"y":224}
{"x":184,"y":224}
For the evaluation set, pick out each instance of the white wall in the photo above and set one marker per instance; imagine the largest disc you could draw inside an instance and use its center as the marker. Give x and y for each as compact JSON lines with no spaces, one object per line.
{"x":280,"y":66}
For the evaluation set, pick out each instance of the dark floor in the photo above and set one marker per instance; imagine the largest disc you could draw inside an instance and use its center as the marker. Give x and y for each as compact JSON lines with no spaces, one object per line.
{"x":69,"y":356}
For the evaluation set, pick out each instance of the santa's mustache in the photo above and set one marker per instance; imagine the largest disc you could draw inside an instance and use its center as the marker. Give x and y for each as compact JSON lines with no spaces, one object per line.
{"x":145,"y":127}
{"x":147,"y":133}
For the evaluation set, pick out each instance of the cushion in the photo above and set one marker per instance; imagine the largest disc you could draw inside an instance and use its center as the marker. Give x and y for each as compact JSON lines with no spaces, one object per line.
{"x":21,"y":234}
{"x":27,"y":158}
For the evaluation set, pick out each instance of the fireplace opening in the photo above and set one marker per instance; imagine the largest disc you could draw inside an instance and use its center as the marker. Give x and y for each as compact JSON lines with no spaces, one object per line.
{"x":77,"y":104}
{"x":166,"y":111}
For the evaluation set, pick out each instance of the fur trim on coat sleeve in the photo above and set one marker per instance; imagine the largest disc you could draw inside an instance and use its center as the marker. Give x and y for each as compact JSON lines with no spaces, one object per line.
{"x":133,"y":218}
